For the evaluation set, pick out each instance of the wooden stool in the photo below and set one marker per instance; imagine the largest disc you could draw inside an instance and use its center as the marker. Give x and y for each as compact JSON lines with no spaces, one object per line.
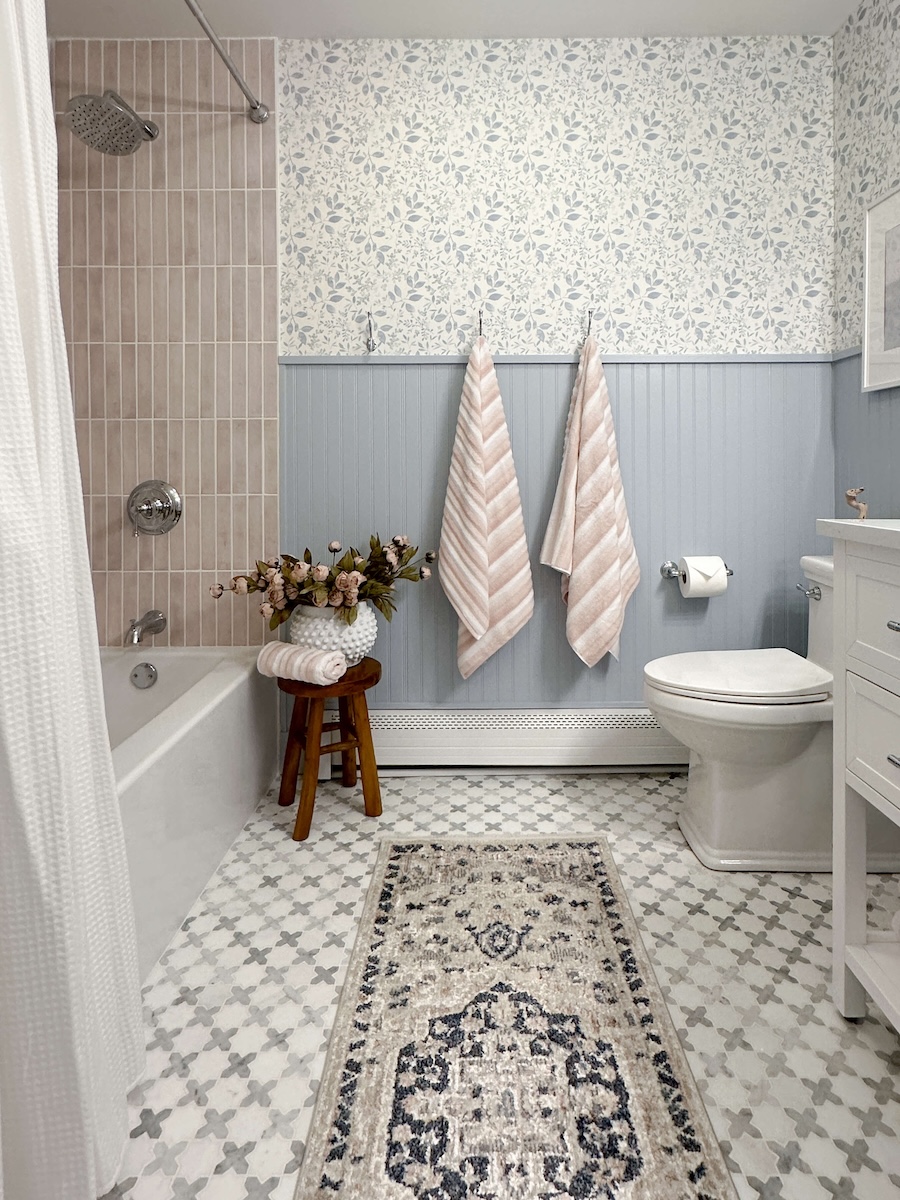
{"x":305,"y":735}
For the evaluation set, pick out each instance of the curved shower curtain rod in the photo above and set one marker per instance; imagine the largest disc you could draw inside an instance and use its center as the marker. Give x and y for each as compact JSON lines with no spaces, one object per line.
{"x":258,"y":112}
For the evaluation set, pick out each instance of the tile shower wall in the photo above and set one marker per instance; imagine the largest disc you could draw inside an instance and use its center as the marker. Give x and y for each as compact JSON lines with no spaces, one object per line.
{"x":168,"y":266}
{"x":682,"y":188}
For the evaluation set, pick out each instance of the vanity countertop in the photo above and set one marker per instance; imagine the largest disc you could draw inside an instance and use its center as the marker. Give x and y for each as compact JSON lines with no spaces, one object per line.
{"x":874,"y":532}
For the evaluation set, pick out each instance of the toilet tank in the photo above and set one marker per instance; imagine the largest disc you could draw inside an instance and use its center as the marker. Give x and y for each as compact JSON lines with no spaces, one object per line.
{"x":818,"y":571}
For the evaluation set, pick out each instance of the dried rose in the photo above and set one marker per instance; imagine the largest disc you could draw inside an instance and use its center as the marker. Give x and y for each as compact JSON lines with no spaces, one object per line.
{"x":351,"y":598}
{"x":342,"y":583}
{"x":358,"y":560}
{"x":400,"y":540}
{"x":391,"y":555}
{"x":335,"y":598}
{"x":240,"y":586}
{"x":320,"y":573}
{"x":291,"y":592}
{"x":356,"y":578}
{"x":424,"y":572}
{"x":335,"y":547}
{"x":430,"y":556}
{"x":320,"y":599}
{"x":216,"y":590}
{"x":266,"y":610}
{"x":300,"y":571}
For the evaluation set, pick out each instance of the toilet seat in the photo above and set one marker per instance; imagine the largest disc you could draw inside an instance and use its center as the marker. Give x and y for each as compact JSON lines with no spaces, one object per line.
{"x":774,"y":676}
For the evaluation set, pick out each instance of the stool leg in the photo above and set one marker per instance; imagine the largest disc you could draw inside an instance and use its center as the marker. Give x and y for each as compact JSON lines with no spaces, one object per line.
{"x":292,"y":751}
{"x":312,"y":750}
{"x":348,"y":757}
{"x":368,"y":768}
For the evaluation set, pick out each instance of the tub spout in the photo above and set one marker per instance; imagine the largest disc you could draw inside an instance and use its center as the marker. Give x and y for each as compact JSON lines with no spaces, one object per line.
{"x":153,"y":621}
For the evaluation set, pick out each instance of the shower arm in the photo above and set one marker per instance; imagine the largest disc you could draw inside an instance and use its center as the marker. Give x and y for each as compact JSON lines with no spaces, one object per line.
{"x":258,"y":112}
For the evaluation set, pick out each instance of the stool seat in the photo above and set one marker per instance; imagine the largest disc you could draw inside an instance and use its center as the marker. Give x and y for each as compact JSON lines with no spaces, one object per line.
{"x":305,"y":737}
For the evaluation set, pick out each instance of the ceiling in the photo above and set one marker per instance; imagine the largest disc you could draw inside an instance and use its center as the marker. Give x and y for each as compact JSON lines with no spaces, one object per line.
{"x":458,"y":19}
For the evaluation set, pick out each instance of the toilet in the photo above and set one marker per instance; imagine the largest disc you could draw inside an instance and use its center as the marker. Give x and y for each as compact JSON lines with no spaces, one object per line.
{"x":758,"y":727}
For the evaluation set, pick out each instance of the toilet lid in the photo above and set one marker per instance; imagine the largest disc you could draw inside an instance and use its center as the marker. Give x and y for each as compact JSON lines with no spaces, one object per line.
{"x":743,"y":676}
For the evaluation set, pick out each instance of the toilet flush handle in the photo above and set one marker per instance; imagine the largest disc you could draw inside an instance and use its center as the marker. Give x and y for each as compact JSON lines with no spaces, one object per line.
{"x":813,"y":593}
{"x":894,"y":625}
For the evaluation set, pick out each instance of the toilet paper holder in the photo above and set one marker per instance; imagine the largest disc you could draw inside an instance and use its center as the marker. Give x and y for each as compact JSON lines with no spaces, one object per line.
{"x":669,"y":569}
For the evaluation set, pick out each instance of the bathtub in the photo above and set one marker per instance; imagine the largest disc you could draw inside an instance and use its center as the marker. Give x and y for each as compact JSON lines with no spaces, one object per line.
{"x":192,"y":755}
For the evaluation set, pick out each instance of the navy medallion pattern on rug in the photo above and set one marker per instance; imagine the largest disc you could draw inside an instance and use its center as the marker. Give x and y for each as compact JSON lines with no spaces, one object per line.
{"x":501,"y":1037}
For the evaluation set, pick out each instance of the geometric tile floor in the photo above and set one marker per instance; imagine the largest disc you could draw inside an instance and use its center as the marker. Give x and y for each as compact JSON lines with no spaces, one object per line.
{"x":239,"y":1008}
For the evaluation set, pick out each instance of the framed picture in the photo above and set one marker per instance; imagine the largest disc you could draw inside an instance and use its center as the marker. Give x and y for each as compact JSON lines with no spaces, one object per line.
{"x":881,"y":297}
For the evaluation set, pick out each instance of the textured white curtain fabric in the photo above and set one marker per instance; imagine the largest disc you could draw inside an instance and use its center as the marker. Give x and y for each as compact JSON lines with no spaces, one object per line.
{"x":70,"y":1024}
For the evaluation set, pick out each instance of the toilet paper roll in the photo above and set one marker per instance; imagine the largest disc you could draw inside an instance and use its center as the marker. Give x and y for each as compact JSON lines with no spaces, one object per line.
{"x":702,"y":575}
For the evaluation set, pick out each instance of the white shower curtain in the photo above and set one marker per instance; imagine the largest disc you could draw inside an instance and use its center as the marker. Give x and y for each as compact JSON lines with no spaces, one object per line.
{"x":70,"y":1027}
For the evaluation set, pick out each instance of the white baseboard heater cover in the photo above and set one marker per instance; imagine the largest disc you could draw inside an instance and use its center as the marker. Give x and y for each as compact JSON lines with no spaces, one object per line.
{"x":584,"y":737}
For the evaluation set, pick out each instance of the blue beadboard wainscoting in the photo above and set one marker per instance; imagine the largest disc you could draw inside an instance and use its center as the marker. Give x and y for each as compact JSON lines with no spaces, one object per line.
{"x":867,"y":440}
{"x":730,"y":456}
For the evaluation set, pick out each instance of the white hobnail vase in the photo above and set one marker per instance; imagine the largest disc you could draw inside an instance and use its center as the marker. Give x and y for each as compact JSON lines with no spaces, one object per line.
{"x":321,"y":629}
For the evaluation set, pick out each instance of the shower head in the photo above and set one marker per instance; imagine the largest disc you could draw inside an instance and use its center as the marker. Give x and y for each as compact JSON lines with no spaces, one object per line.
{"x":106,"y":123}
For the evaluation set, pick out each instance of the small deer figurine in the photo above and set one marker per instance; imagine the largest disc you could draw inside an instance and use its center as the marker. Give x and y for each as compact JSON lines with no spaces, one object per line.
{"x":852,"y":495}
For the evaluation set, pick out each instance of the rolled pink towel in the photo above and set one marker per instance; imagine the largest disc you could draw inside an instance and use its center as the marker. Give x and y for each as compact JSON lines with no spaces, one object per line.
{"x":284,"y":661}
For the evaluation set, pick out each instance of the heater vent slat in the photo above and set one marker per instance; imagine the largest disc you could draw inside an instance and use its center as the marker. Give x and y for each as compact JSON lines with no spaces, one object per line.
{"x":515,"y":719}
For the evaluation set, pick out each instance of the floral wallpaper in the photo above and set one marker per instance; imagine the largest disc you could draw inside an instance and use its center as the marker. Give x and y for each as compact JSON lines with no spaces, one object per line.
{"x":680,"y":188}
{"x":867,"y":148}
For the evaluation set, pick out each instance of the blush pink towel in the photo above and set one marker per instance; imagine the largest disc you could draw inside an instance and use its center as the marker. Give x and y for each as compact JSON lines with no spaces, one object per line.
{"x":284,"y":661}
{"x":588,"y":536}
{"x":483,"y":561}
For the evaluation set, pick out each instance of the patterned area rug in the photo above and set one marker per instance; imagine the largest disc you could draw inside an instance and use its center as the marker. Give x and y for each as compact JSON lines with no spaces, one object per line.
{"x":501,"y":1036}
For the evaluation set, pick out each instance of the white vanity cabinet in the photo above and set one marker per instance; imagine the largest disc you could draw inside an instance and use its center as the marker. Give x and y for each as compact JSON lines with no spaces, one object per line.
{"x":866,"y":750}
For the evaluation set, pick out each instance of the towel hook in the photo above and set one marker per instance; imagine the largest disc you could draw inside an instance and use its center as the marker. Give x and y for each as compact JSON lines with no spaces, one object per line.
{"x":480,"y":322}
{"x":371,"y":344}
{"x":590,"y":320}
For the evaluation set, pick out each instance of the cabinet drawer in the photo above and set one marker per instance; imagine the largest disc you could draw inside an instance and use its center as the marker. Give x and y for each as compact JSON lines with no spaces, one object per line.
{"x":873,"y":734}
{"x":873,"y":607}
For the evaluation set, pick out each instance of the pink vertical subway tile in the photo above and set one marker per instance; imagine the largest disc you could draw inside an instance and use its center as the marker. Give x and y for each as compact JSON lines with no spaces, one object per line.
{"x":112,"y":381}
{"x":175,"y":407}
{"x":95,"y":229}
{"x":175,"y":300}
{"x":191,"y":457}
{"x":188,"y":85}
{"x":238,"y":458}
{"x":238,"y":204}
{"x":143,"y":304}
{"x":239,"y":379}
{"x":108,"y":216}
{"x":110,"y":301}
{"x":207,"y":506}
{"x":114,"y":533}
{"x":191,"y":522}
{"x":126,"y":172}
{"x":208,"y":358}
{"x":223,"y":457}
{"x":255,"y":461}
{"x":253,"y":147}
{"x":129,"y":454}
{"x":254,"y":247}
{"x":224,"y":549}
{"x":97,"y":380}
{"x":94,"y":69}
{"x":93,"y":170}
{"x":160,"y":381}
{"x":141,"y":164}
{"x":60,"y":72}
{"x":146,"y":596}
{"x":126,"y":608}
{"x":238,"y":329}
{"x":175,"y":229}
{"x":269,"y":154}
{"x":254,"y":379}
{"x":76,"y":160}
{"x":143,"y":228}
{"x":174,"y":98}
{"x":174,"y":153}
{"x":141,"y":85}
{"x":270,"y":520}
{"x":206,"y":233}
{"x":206,"y":60}
{"x":64,"y":217}
{"x":223,"y":382}
{"x":126,"y":70}
{"x":161,"y":601}
{"x":157,"y":156}
{"x":79,"y":239}
{"x":159,"y":227}
{"x":222,"y":204}
{"x":223,"y":304}
{"x":270,"y":228}
{"x":144,"y":443}
{"x":114,"y":474}
{"x":206,"y":151}
{"x":160,"y":282}
{"x":126,"y":241}
{"x":158,"y":77}
{"x":175,"y":612}
{"x":270,"y":379}
{"x":222,"y":150}
{"x":270,"y":304}
{"x":190,"y":166}
{"x":99,"y":539}
{"x":191,"y":380}
{"x":268,"y":50}
{"x":254,"y":293}
{"x":161,"y":449}
{"x":270,"y":457}
{"x":128,"y":380}
{"x":241,"y":129}
{"x":192,"y":612}
{"x":77,"y":67}
{"x":81,"y":379}
{"x":64,"y":166}
{"x":109,"y":51}
{"x":190,"y":210}
{"x":209,"y":613}
{"x":130,"y":543}
{"x":191,"y":313}
{"x":207,"y":458}
{"x":256,"y":543}
{"x":127,"y":305}
{"x":208,"y":304}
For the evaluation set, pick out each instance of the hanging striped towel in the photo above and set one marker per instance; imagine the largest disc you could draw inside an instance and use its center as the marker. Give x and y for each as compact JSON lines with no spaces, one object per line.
{"x":483,"y":561}
{"x":284,"y":661}
{"x":588,"y":537}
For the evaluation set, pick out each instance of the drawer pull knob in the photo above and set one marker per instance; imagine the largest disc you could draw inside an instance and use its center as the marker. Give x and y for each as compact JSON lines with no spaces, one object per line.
{"x":894,"y":760}
{"x":894,"y":625}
